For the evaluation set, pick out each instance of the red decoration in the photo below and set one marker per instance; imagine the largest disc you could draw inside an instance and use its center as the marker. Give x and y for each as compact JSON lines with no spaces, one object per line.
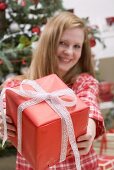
{"x":110,"y":20}
{"x":1,"y":62}
{"x":23,"y":3}
{"x":36,"y":29}
{"x":23,"y":61}
{"x":3,"y":6}
{"x":44,"y":130}
{"x":92,"y":42}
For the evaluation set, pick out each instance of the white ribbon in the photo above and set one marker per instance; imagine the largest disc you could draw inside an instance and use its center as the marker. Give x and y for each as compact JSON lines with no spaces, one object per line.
{"x":57,"y":104}
{"x":3,"y":114}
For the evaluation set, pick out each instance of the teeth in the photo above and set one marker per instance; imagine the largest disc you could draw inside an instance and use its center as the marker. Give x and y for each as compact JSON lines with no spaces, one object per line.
{"x":65,"y":60}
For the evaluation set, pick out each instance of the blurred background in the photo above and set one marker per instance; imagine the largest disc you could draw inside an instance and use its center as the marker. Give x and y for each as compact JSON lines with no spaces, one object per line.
{"x":21,"y":23}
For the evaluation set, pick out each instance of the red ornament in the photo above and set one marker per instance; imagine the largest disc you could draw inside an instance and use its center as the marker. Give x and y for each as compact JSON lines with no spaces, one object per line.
{"x":110,"y":20}
{"x":3,"y":6}
{"x":36,"y":29}
{"x":1,"y":61}
{"x":92,"y":42}
{"x":23,"y":61}
{"x":23,"y":3}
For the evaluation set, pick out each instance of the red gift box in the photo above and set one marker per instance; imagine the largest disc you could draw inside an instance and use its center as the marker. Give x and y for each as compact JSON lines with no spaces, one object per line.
{"x":41,"y":125}
{"x":106,"y":162}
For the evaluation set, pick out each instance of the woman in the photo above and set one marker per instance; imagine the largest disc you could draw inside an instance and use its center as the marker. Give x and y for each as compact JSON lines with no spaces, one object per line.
{"x":63,"y":49}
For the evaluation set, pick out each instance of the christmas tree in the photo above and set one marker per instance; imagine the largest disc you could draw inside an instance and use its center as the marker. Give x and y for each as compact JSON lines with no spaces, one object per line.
{"x":21,"y":22}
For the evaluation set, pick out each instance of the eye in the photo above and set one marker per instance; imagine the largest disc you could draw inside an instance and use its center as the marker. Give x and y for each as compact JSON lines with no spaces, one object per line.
{"x":77,"y":46}
{"x":62,"y":43}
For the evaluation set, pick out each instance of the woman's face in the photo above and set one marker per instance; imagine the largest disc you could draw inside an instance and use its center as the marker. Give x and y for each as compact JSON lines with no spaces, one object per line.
{"x":69,"y":49}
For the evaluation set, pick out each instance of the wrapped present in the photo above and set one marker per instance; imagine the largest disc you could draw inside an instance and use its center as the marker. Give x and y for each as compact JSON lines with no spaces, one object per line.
{"x":105,"y":144}
{"x":106,"y":162}
{"x":47,"y":115}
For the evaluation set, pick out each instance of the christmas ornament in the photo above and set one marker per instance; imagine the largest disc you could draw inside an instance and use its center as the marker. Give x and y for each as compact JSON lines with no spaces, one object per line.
{"x":1,"y":61}
{"x":23,"y":61}
{"x":21,"y":2}
{"x":14,"y":27}
{"x":36,"y":29}
{"x":3,"y":6}
{"x":92,"y":42}
{"x":110,"y":20}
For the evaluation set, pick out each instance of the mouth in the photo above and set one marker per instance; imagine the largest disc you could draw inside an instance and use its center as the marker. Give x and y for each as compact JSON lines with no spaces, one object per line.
{"x":64,"y":60}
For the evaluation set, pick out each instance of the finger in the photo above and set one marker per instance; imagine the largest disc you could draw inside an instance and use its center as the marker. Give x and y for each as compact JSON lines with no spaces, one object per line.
{"x":11,"y":127}
{"x":84,"y":151}
{"x":83,"y":144}
{"x":11,"y":134}
{"x":70,"y":155}
{"x":11,"y":130}
{"x":84,"y":137}
{"x":8,"y":119}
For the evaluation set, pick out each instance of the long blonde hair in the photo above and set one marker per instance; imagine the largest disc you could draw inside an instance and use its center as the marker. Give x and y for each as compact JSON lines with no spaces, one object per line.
{"x":44,"y":60}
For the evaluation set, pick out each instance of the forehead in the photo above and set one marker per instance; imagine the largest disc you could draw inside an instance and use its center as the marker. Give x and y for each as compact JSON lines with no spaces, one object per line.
{"x":73,"y":34}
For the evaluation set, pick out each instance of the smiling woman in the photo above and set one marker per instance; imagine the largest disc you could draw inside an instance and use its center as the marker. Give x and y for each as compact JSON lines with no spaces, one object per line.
{"x":64,"y":49}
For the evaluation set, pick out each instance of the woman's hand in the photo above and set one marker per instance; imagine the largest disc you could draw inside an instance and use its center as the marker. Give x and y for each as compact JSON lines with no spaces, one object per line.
{"x":10,"y":127}
{"x":85,"y":141}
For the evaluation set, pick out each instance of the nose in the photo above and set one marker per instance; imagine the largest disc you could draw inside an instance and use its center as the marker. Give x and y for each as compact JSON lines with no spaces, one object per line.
{"x":69,"y":50}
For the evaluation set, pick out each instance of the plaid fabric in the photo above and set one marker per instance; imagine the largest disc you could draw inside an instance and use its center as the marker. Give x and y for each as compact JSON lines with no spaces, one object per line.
{"x":86,"y":88}
{"x":88,"y":162}
{"x":106,"y":162}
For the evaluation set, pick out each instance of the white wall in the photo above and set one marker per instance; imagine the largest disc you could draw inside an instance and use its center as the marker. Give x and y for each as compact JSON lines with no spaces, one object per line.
{"x":97,"y":10}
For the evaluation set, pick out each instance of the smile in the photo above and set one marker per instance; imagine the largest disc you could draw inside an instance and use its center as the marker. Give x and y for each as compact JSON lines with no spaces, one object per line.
{"x":65,"y":60}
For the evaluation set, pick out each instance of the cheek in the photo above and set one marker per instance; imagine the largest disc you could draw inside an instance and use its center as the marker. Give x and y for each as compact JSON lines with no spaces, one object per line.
{"x":78,"y":56}
{"x":58,"y":52}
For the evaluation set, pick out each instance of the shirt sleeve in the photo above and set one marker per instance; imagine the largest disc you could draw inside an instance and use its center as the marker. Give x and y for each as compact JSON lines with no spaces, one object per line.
{"x":86,"y":88}
{"x":9,"y":83}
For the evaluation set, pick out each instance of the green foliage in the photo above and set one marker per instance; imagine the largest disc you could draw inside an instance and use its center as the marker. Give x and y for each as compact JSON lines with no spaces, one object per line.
{"x":94,"y":33}
{"x":17,"y":38}
{"x":7,"y":150}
